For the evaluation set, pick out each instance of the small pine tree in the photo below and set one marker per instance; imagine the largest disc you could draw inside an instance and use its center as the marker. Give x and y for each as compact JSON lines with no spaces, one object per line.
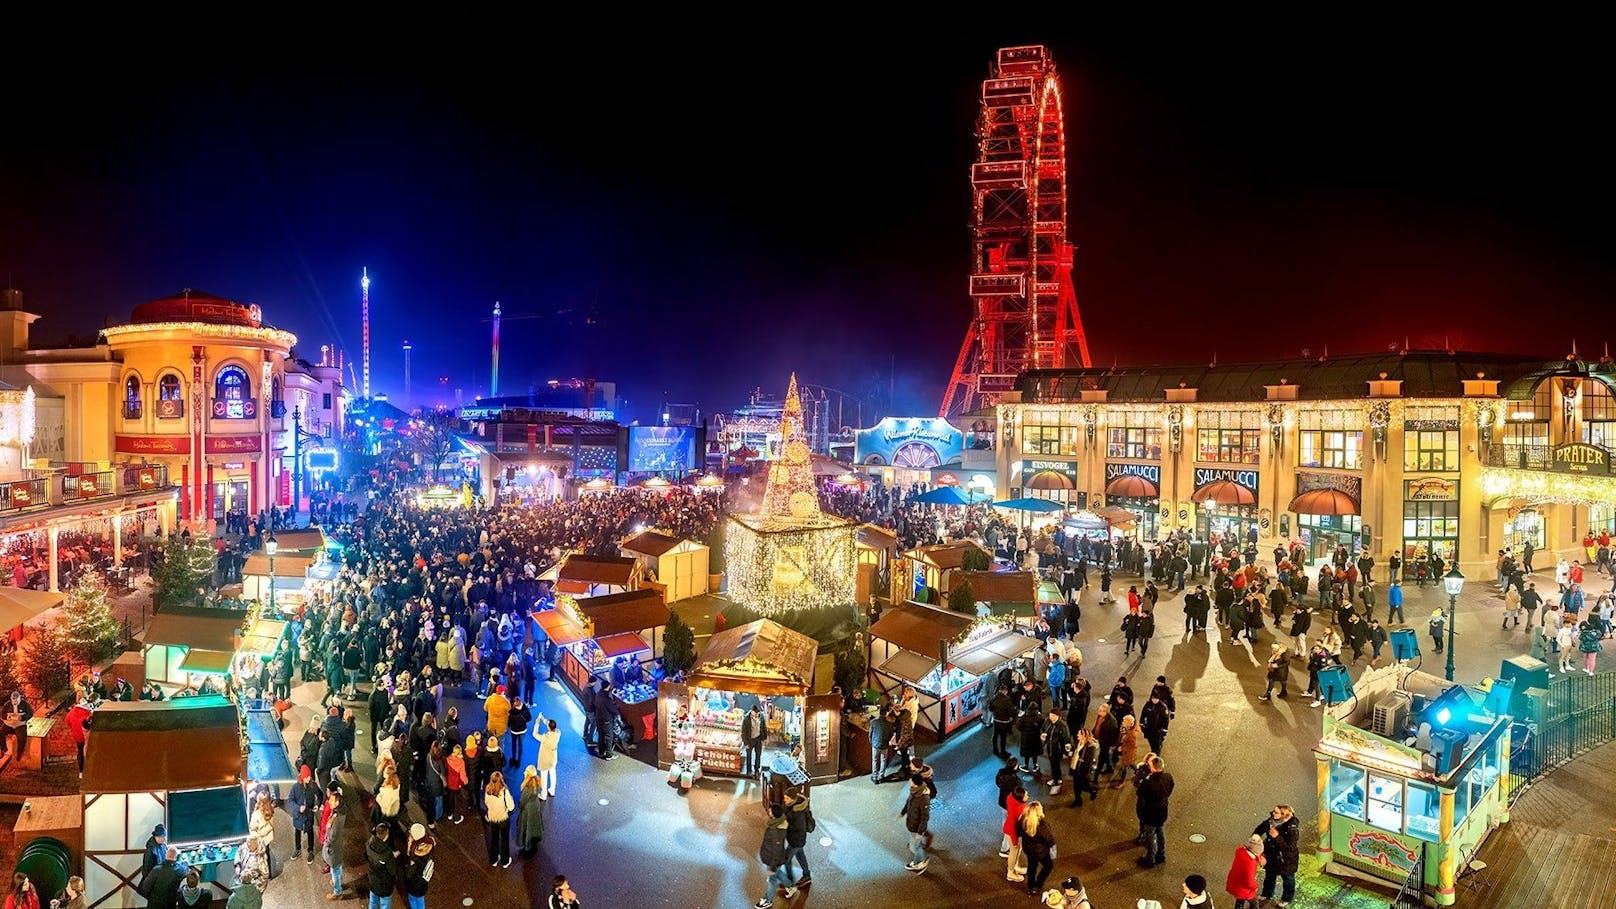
{"x":45,"y":667}
{"x":678,"y":645}
{"x":89,"y":630}
{"x":182,"y":569}
{"x":8,"y":672}
{"x":975,"y":560}
{"x":961,"y":599}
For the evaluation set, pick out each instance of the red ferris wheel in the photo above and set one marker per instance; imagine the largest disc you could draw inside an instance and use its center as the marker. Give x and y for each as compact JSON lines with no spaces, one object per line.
{"x":1024,"y":308}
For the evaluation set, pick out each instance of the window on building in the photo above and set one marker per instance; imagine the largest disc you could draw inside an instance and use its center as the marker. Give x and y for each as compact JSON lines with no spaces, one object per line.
{"x":1526,"y":423}
{"x":1330,"y":438}
{"x":325,"y":400}
{"x":232,"y":395}
{"x":1050,"y":432}
{"x":1135,"y":436}
{"x":1598,"y":414}
{"x":170,"y":398}
{"x":1228,"y":437}
{"x":131,"y":398}
{"x":1431,"y":449}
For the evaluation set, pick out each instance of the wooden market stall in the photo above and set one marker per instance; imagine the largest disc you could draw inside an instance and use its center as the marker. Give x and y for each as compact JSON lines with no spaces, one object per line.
{"x":612,"y":637}
{"x":874,"y":547}
{"x":182,"y":643}
{"x":583,"y":575}
{"x":679,"y":566}
{"x":187,"y":776}
{"x":944,"y":656}
{"x":934,"y":566}
{"x":1005,"y":592}
{"x":1413,"y":771}
{"x":291,"y":578}
{"x":760,"y":662}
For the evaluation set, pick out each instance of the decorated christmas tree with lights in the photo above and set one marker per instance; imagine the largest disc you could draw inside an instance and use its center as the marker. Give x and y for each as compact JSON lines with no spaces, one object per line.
{"x":790,"y":556}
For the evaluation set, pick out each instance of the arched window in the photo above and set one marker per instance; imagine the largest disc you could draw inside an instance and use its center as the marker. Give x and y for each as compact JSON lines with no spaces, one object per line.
{"x":131,"y":398}
{"x":232,"y":395}
{"x":170,"y":399}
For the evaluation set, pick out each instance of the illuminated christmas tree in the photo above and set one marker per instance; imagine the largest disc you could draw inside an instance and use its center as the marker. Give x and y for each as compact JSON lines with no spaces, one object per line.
{"x":791,"y":494}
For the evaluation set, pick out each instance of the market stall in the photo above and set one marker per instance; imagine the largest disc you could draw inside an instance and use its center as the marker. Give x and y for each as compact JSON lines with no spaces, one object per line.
{"x":291,"y":578}
{"x":943,"y":655}
{"x":188,"y":776}
{"x":760,"y":662}
{"x":183,"y":644}
{"x":874,"y":548}
{"x":934,"y":566}
{"x":1412,"y":768}
{"x":583,"y":575}
{"x":678,"y":566}
{"x":612,"y":637}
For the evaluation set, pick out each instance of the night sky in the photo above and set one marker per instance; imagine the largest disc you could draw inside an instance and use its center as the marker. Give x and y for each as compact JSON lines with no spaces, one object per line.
{"x":694,"y":217}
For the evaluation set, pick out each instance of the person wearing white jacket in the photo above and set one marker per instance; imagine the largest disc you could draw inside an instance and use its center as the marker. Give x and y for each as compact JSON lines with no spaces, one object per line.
{"x":499,"y":803}
{"x":549,"y":739}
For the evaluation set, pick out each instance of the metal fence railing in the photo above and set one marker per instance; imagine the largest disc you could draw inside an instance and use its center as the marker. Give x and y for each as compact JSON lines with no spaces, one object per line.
{"x":1578,"y":715}
{"x":1412,"y":893}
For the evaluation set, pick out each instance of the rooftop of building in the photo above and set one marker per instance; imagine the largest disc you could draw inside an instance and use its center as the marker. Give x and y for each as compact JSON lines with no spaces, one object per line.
{"x":196,"y":306}
{"x":1423,"y":374}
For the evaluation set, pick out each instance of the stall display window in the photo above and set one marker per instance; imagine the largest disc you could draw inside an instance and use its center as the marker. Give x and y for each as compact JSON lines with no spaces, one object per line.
{"x":1386,"y":802}
{"x":1424,"y":811}
{"x":1346,"y":793}
{"x":939,"y":684}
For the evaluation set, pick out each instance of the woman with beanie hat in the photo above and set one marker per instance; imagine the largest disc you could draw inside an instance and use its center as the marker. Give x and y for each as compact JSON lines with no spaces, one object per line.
{"x":303,"y":804}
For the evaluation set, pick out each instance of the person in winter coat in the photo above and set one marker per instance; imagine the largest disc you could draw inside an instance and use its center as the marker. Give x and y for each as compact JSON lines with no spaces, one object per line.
{"x":1010,"y":844}
{"x":455,"y":779}
{"x":799,"y":823}
{"x":434,"y":784}
{"x":383,"y":867}
{"x":333,"y":833}
{"x":1281,"y":836}
{"x":1151,"y":796}
{"x":1106,"y":730}
{"x":916,"y":814}
{"x":1087,"y":754}
{"x":772,"y":853}
{"x":303,"y":804}
{"x":1038,"y":844}
{"x":1031,"y":727}
{"x":518,"y":719}
{"x":1565,"y":637}
{"x":1127,"y":751}
{"x":530,"y":813}
{"x":497,"y":807}
{"x":1058,"y":746}
{"x":418,"y":869}
{"x":1242,"y":881}
{"x":1154,"y":718}
{"x":1279,"y":672}
{"x":497,"y":707}
{"x":549,"y":737}
{"x":1003,"y":710}
{"x":1588,"y":641}
{"x":1077,"y":710}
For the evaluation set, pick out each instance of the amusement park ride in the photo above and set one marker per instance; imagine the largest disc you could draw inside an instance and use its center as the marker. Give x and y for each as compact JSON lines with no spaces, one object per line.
{"x":1024,"y":308}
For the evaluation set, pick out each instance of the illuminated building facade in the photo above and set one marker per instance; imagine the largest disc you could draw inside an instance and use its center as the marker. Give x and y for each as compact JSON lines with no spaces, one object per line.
{"x":1416,"y":451}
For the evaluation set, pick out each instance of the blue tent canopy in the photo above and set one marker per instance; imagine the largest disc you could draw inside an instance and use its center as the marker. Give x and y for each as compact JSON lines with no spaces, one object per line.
{"x":1030,"y":504}
{"x":944,"y":495}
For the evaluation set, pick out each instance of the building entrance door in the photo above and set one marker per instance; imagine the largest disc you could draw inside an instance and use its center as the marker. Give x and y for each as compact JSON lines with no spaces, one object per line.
{"x":230,"y":495}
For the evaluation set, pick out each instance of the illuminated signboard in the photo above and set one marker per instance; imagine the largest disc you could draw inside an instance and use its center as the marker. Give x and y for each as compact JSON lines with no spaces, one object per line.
{"x":661,"y":448}
{"x":914,"y":442}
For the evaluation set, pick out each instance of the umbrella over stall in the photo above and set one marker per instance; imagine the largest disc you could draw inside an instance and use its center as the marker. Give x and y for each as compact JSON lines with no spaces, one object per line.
{"x":945,"y":495}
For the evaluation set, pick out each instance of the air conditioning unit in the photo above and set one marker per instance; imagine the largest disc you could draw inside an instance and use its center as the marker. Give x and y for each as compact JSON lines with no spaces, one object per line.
{"x":1391,"y":714}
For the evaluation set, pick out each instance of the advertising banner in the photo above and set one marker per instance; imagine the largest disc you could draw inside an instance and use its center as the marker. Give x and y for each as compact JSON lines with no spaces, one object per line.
{"x":914,"y":442}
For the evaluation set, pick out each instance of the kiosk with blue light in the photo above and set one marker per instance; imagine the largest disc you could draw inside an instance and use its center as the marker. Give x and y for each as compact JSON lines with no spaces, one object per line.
{"x":1412,"y":772}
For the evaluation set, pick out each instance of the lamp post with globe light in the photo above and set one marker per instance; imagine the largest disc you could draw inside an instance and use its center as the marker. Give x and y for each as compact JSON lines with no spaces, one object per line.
{"x":270,"y":545}
{"x":1453,"y":583}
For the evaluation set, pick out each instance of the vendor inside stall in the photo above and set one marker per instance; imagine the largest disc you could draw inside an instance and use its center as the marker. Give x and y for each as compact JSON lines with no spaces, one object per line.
{"x":945,"y":655}
{"x":761,"y":666}
{"x":612,"y":637}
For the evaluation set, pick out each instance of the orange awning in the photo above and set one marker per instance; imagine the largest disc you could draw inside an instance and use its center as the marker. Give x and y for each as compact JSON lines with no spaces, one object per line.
{"x":1132,"y":486}
{"x":1224,"y":492}
{"x":561,"y":629}
{"x":1324,"y":502}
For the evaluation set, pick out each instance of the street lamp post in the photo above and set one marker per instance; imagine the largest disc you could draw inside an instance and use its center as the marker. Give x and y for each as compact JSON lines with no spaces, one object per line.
{"x":1453,"y":583}
{"x":270,"y":545}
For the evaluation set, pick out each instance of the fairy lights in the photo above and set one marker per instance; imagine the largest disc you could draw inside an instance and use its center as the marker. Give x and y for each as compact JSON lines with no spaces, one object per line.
{"x":274,"y":337}
{"x":779,"y":570}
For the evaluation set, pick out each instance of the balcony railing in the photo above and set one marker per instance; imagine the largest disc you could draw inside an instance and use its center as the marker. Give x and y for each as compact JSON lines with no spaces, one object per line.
{"x":1575,"y":458}
{"x":92,"y":485}
{"x":142,"y":477}
{"x":20,"y":495}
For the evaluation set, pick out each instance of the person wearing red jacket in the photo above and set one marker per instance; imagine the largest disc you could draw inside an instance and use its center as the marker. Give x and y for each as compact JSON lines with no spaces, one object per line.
{"x":78,"y":720}
{"x":1242,"y":883}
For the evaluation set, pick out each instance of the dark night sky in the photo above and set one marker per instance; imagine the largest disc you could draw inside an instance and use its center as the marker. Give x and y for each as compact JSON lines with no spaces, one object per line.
{"x":736,"y":210}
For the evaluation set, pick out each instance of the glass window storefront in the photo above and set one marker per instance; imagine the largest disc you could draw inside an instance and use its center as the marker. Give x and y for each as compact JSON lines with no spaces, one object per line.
{"x":1229,"y":522}
{"x":1228,"y":437}
{"x":1321,"y":534}
{"x":1346,"y":794}
{"x":1051,"y":432}
{"x":1525,"y":526}
{"x":1138,"y":437}
{"x":1430,"y":526}
{"x":1148,"y":510}
{"x":1601,"y":517}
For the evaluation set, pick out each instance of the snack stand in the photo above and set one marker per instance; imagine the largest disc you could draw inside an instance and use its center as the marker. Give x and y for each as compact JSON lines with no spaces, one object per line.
{"x":934,"y":566}
{"x":183,"y":643}
{"x":583,"y":575}
{"x":187,"y":776}
{"x":762,"y":661}
{"x":595,"y":632}
{"x":944,"y":656}
{"x":1409,"y":767}
{"x":678,"y":566}
{"x":291,"y":579}
{"x":874,"y":547}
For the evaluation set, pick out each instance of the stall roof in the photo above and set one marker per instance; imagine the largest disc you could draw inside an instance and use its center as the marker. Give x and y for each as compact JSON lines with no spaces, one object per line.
{"x":908,"y":665}
{"x":635,"y":610}
{"x":651,"y":543}
{"x":618,"y":644}
{"x":286,"y":566}
{"x":561,"y":629}
{"x":1000,"y":586}
{"x":989,"y":654}
{"x":920,"y":628}
{"x":615,"y":570}
{"x":290,"y":541}
{"x":946,"y":555}
{"x":216,"y":662}
{"x":182,"y":743}
{"x":877,"y":537}
{"x":203,"y":632}
{"x":262,"y":637}
{"x":19,"y":605}
{"x":762,"y":657}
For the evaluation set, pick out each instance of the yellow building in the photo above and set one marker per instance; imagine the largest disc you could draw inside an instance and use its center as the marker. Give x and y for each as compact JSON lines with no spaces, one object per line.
{"x":1415,"y":452}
